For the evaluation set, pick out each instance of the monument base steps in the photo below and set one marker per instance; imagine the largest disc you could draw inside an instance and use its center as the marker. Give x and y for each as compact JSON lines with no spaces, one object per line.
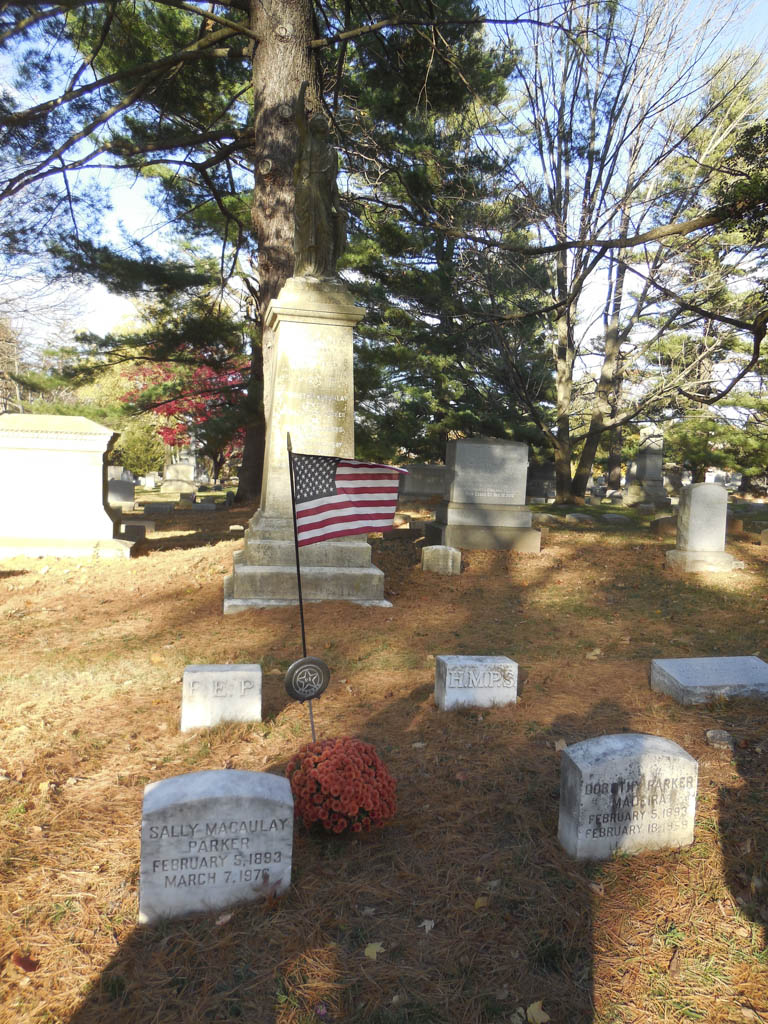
{"x":263,"y":586}
{"x":483,"y":538}
{"x":702,"y":561}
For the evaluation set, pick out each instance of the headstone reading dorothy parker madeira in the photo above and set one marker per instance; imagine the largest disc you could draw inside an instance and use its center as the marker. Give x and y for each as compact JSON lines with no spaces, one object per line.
{"x":629,"y":792}
{"x":214,"y":838}
{"x":312,"y":399}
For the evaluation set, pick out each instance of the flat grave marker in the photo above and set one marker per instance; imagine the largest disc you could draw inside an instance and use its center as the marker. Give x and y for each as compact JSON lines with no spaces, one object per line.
{"x":701,"y":680}
{"x":213,"y":838}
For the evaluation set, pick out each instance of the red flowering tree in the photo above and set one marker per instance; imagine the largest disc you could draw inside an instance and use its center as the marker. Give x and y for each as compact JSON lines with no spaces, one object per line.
{"x":341,"y":785}
{"x":199,"y":404}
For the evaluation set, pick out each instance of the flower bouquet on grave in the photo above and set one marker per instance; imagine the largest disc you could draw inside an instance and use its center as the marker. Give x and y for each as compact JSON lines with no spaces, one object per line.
{"x":340,"y":786}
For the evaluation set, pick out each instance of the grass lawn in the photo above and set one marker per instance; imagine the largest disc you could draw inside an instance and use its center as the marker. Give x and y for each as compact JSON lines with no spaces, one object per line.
{"x":479,"y":913}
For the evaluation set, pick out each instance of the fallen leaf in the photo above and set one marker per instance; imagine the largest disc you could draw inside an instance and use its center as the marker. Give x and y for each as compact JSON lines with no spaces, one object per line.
{"x":25,"y":963}
{"x":368,"y":911}
{"x":597,"y":887}
{"x":373,"y":949}
{"x":481,"y":902}
{"x":223,"y":919}
{"x":418,"y":745}
{"x":535,"y":1014}
{"x":427,"y":926}
{"x":593,"y":656}
{"x":560,"y":745}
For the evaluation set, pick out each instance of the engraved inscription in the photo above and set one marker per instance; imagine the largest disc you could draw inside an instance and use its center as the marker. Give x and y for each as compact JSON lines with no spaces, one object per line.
{"x":222,"y":687}
{"x":644,"y":806}
{"x":477,"y":678}
{"x":216,"y":853}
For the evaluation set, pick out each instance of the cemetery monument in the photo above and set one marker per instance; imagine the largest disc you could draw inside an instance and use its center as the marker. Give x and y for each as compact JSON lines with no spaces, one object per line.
{"x":701,"y":522}
{"x":484,"y":502}
{"x":646,"y":485}
{"x":701,"y":680}
{"x":311,"y":398}
{"x":57,"y":504}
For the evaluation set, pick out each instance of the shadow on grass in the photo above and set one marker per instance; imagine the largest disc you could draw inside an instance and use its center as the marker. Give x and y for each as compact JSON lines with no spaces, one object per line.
{"x":478,"y":909}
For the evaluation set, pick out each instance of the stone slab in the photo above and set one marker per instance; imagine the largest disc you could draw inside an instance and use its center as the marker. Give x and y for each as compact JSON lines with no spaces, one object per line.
{"x":485,"y":538}
{"x":701,"y":561}
{"x":630,"y":792}
{"x":701,"y":680}
{"x":506,"y":516}
{"x":53,"y":547}
{"x":701,"y":518}
{"x":486,"y":471}
{"x":477,"y":681}
{"x":213,"y":838}
{"x":212,"y":694}
{"x":441,"y":559}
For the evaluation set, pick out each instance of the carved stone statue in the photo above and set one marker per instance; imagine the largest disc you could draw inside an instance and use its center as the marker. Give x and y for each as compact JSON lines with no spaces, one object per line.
{"x":319,"y":231}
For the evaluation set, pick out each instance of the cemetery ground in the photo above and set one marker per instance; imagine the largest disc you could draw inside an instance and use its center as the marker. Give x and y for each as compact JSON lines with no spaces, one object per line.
{"x":464,"y":909}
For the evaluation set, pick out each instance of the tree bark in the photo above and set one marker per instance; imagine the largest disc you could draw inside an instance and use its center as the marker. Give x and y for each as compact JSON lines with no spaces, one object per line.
{"x":281,"y":62}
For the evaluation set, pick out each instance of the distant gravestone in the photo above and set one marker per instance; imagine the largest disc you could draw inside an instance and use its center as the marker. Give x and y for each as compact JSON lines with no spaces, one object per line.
{"x":212,"y":694}
{"x":56,"y":505}
{"x":629,"y":792}
{"x":179,"y":479}
{"x":121,"y":492}
{"x":422,"y":482}
{"x":645,"y":485}
{"x":441,"y":559}
{"x":485,"y":497}
{"x":701,"y":680}
{"x":474,"y":681}
{"x":210,"y":839}
{"x":701,"y":519}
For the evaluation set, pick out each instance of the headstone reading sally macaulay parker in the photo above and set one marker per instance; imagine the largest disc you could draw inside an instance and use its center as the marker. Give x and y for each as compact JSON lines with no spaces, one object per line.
{"x":628,"y":792}
{"x":214,"y":838}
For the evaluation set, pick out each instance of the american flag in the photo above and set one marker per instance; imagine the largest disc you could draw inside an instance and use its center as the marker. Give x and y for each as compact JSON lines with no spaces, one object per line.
{"x":339,"y":497}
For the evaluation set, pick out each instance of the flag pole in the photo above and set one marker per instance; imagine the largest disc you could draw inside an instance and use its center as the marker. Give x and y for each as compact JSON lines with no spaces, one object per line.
{"x":298,"y":564}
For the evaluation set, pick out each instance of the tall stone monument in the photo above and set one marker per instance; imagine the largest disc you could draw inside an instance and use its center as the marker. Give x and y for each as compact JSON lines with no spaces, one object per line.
{"x":57,"y":502}
{"x":312,"y":399}
{"x":701,"y":522}
{"x":484,"y":504}
{"x":647,"y":483}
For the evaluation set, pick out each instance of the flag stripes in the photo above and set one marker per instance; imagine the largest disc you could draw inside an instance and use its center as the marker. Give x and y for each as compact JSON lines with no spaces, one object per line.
{"x":341,"y":497}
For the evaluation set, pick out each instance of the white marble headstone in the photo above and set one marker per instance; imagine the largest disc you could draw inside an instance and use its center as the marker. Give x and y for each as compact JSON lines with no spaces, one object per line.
{"x":214,"y":838}
{"x":477,"y":681}
{"x":628,"y":792}
{"x":700,"y":680}
{"x":212,"y":694}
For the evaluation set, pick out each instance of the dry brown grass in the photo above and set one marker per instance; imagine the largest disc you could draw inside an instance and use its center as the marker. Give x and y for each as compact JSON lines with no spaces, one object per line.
{"x":91,"y":657}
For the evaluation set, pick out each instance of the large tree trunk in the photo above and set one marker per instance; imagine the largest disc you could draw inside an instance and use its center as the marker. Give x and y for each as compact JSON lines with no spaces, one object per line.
{"x":281,"y":62}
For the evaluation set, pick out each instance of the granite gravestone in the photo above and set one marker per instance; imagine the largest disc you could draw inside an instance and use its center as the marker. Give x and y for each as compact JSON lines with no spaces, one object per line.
{"x":441,"y":559}
{"x":701,"y":520}
{"x":629,"y":792}
{"x":646,"y":485}
{"x":484,"y":506}
{"x":179,"y":478}
{"x":701,"y":680}
{"x":477,"y":681}
{"x":57,"y":503}
{"x":423,"y":482}
{"x":210,"y":839}
{"x":212,"y":694}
